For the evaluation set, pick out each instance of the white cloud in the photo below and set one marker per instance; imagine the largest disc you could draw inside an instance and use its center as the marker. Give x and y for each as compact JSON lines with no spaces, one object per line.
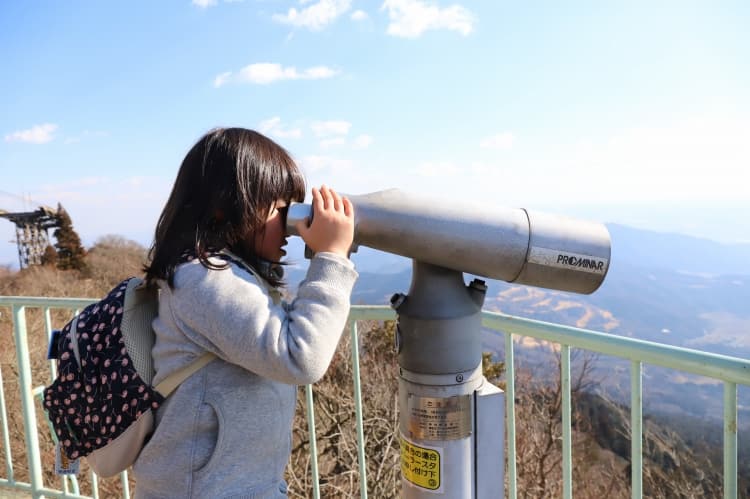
{"x":362,"y":141}
{"x":436,"y":169}
{"x":204,"y":4}
{"x":359,"y":15}
{"x":327,"y":128}
{"x":478,"y":168}
{"x":315,"y":17}
{"x":86,"y":134}
{"x":318,"y":73}
{"x":455,"y":171}
{"x":38,"y":134}
{"x":137,"y":181}
{"x":411,"y":18}
{"x":329,"y":143}
{"x":264,"y":73}
{"x":222,"y":79}
{"x":697,"y":160}
{"x":316,"y":163}
{"x":701,"y":158}
{"x":273,"y":127}
{"x":503,"y":140}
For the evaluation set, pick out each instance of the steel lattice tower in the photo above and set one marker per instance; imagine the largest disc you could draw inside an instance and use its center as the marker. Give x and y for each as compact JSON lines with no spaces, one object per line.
{"x":31,"y":233}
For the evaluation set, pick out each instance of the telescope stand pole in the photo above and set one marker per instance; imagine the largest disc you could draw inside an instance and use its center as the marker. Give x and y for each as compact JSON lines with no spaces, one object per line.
{"x":451,"y":419}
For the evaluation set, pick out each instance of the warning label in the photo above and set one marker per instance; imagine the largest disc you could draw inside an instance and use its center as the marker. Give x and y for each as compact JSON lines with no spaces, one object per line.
{"x":421,"y":465}
{"x":433,"y":418}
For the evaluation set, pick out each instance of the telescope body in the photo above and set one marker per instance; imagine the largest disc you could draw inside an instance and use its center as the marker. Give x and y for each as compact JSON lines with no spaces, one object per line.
{"x":511,"y":244}
{"x":450,"y":417}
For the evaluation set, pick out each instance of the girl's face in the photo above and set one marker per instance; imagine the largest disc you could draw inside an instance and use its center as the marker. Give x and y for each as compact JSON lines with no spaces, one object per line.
{"x":269,"y":243}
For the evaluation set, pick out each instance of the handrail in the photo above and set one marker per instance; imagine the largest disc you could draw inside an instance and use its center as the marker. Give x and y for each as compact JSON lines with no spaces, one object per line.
{"x":712,"y":365}
{"x":42,"y":302}
{"x":732,"y":371}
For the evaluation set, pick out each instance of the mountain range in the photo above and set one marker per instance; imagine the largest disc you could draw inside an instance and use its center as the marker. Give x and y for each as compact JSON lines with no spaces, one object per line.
{"x":667,"y":288}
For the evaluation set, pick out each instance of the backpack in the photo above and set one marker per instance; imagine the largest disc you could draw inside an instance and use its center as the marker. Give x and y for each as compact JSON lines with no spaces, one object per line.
{"x":101,"y":405}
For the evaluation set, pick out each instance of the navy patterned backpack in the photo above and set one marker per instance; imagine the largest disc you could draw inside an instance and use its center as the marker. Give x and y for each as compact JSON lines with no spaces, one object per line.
{"x":101,"y":404}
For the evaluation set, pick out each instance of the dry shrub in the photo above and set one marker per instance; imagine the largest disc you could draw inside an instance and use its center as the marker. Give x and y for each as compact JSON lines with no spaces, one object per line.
{"x":113,"y":258}
{"x":597,"y":472}
{"x":335,"y":422}
{"x":108,"y":262}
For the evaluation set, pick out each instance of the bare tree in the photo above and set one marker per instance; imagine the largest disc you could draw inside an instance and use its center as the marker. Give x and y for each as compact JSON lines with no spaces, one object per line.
{"x":336,"y":426}
{"x":596,"y":473}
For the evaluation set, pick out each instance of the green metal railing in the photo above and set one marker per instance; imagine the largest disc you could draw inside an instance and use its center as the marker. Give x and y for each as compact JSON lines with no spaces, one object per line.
{"x":731,"y":371}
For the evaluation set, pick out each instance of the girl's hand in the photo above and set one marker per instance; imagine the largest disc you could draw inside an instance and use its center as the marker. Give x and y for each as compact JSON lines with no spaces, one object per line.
{"x":332,"y":228}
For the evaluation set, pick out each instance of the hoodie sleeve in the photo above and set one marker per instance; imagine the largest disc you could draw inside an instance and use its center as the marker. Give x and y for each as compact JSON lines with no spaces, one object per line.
{"x":228,"y":312}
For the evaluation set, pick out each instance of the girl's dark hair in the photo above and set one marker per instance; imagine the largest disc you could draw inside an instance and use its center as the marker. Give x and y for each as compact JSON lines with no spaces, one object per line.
{"x":222,"y":196}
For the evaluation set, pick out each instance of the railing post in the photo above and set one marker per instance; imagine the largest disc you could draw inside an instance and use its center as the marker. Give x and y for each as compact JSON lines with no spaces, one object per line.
{"x":313,"y":443}
{"x":94,"y":484}
{"x":636,"y":430}
{"x":27,"y":400}
{"x":358,"y":412}
{"x":730,"y":440}
{"x":510,"y":409}
{"x":6,"y":433}
{"x":125,"y":485}
{"x":567,"y":471}
{"x":48,"y":330}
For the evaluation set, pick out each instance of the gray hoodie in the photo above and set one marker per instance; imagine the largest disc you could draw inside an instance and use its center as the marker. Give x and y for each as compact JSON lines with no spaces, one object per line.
{"x":226,"y":431}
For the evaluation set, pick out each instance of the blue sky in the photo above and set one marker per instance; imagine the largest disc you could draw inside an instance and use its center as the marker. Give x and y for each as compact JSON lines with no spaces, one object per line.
{"x":629,"y":112}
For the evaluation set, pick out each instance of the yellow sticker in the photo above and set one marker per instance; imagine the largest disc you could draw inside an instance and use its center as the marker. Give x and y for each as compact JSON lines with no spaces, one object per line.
{"x":421,"y":465}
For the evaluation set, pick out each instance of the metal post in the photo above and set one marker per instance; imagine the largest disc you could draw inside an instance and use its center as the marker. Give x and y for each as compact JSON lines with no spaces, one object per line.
{"x":94,"y":484}
{"x":510,"y":409}
{"x":451,"y":418}
{"x":6,"y":433}
{"x":730,"y":440}
{"x":636,"y":430}
{"x":362,"y":460}
{"x":567,"y":442}
{"x":27,"y":400}
{"x":313,"y":443}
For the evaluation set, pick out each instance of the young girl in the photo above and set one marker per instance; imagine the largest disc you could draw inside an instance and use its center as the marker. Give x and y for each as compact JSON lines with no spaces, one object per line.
{"x":226,"y":431}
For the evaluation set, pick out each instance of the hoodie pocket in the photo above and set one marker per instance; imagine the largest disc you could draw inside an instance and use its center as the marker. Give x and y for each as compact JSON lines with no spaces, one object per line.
{"x":209,"y":438}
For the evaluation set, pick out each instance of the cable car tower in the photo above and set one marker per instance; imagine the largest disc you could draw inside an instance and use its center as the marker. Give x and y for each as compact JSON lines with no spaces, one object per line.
{"x":31,"y":233}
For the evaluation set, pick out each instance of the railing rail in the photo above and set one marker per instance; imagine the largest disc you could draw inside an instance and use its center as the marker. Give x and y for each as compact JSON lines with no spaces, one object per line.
{"x":732,"y":371}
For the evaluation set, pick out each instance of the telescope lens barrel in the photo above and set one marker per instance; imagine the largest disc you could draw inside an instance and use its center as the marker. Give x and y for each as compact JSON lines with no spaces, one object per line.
{"x":565,"y":253}
{"x":510,"y":244}
{"x":297,"y":212}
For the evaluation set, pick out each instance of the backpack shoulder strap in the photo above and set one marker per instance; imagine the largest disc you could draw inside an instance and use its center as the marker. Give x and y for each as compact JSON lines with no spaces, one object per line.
{"x":171,"y":382}
{"x":143,"y":300}
{"x":176,"y":378}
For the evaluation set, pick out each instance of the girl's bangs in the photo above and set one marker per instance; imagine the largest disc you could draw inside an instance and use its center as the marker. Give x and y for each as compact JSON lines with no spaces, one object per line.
{"x":294,"y":183}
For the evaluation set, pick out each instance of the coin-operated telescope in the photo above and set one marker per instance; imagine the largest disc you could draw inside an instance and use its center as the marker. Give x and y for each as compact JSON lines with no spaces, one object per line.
{"x":451,"y":418}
